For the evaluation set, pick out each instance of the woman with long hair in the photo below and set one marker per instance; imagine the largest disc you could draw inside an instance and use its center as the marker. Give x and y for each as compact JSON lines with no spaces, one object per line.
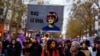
{"x":51,"y":49}
{"x":14,"y":48}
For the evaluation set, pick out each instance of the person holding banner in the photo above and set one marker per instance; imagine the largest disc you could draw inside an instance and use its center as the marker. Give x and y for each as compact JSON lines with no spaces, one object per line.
{"x":51,"y":18}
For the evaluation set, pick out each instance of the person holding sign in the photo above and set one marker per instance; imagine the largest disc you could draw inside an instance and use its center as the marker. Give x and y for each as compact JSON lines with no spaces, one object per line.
{"x":51,"y":18}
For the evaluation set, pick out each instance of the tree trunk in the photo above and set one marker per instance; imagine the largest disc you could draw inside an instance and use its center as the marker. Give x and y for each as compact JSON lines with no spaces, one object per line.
{"x":90,"y":30}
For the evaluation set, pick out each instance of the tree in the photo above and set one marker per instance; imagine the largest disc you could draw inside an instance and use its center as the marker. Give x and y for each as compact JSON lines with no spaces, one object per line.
{"x":55,"y":34}
{"x":85,"y":12}
{"x":74,"y":28}
{"x":17,"y":10}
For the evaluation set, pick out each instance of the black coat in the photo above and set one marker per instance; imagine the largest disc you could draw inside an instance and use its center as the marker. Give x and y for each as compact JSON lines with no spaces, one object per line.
{"x":98,"y":53}
{"x":35,"y":49}
{"x":5,"y":47}
{"x":5,"y":44}
{"x":19,"y":48}
{"x":14,"y":51}
{"x":78,"y":54}
{"x":61,"y":51}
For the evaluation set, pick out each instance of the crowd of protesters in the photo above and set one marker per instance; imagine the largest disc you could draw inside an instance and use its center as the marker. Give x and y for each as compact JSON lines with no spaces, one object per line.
{"x":51,"y":47}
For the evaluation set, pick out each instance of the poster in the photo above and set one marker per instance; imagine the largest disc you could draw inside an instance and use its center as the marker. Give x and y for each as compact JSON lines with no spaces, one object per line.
{"x":44,"y":17}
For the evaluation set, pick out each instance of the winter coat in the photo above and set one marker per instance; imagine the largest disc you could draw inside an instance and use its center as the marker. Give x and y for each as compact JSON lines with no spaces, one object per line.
{"x":14,"y":50}
{"x":86,"y":52}
{"x":35,"y":49}
{"x":79,"y":53}
{"x":98,"y":53}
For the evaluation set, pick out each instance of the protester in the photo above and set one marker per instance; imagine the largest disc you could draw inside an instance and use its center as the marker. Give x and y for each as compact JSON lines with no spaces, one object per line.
{"x":19,"y":48}
{"x":14,"y":48}
{"x":47,"y":47}
{"x":89,"y":45}
{"x":1,"y":47}
{"x":6,"y":43}
{"x":85,"y":50}
{"x":27,"y":47}
{"x":74,"y":50}
{"x":61,"y":48}
{"x":51,"y":49}
{"x":97,"y":48}
{"x":35,"y":48}
{"x":67,"y":46}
